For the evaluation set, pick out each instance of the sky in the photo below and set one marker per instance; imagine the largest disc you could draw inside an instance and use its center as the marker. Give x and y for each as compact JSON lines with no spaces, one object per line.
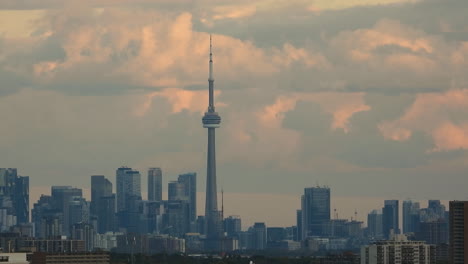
{"x":368,"y":97}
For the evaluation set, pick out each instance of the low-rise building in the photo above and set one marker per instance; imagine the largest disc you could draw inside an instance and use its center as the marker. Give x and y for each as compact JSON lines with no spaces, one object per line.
{"x":398,"y":250}
{"x":75,"y":258}
{"x":17,"y":258}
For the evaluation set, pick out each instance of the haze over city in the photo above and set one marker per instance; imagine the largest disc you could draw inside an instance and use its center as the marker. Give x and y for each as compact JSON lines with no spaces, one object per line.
{"x":367,"y":97}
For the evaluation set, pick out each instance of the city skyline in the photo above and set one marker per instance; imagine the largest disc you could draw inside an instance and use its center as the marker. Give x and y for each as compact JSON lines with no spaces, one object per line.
{"x":290,"y":108}
{"x":373,"y":107}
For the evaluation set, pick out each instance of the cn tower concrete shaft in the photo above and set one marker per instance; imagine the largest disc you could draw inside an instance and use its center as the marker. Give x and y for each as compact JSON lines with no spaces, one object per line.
{"x":211,"y":120}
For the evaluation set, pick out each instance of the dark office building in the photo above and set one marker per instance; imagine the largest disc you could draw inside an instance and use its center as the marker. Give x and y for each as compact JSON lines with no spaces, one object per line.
{"x":298,"y":233}
{"x":390,"y":218}
{"x":315,"y":210}
{"x":106,"y":215}
{"x":62,"y":196}
{"x":232,"y":226}
{"x":100,"y":187}
{"x":433,"y":233}
{"x":154,"y":184}
{"x":14,"y":197}
{"x":190,"y":182}
{"x":374,"y":225}
{"x":128,"y":188}
{"x":259,"y":236}
{"x":458,"y":232}
{"x":21,"y":199}
{"x":410,"y":217}
{"x":276,"y":234}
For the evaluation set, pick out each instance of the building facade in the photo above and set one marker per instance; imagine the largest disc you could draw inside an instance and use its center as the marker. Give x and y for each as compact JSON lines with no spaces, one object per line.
{"x":128,"y":187}
{"x":398,"y":250}
{"x":410,"y":217}
{"x":155,"y":184}
{"x":315,"y":210}
{"x":458,"y":232}
{"x":390,"y":218}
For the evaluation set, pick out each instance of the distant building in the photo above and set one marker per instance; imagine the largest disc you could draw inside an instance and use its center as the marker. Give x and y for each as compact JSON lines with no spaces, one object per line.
{"x":102,"y":204}
{"x":149,"y":244}
{"x":298,"y":235}
{"x":85,"y":232}
{"x":232,"y":225}
{"x":315,"y":210}
{"x":64,"y":198}
{"x":374,"y":225}
{"x":76,"y":258}
{"x":390,"y":218}
{"x":128,"y":187}
{"x":107,"y":241}
{"x":100,"y":187}
{"x":259,"y":232}
{"x":17,"y":258}
{"x":434,"y":233}
{"x":437,"y":208}
{"x":284,"y":245}
{"x":154,"y":184}
{"x":190,"y":191}
{"x":57,"y":245}
{"x":398,"y":250}
{"x":458,"y":232}
{"x":276,"y":234}
{"x":410,"y":217}
{"x":79,"y":211}
{"x":176,"y":221}
{"x":14,"y":198}
{"x":176,"y":191}
{"x":107,"y":221}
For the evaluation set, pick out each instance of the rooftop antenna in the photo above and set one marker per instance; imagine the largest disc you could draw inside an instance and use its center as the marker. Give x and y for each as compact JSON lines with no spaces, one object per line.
{"x":222,"y":199}
{"x":355,"y":214}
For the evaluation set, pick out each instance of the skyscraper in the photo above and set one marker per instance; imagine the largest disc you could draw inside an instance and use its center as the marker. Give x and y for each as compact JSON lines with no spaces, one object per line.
{"x":106,"y":215}
{"x":128,"y":187}
{"x":410,"y":216}
{"x":259,"y":232}
{"x":21,"y":199}
{"x":315,"y":210}
{"x":154,"y":184}
{"x":14,"y":197}
{"x":390,"y":218}
{"x":176,"y":191}
{"x":374,"y":224}
{"x":211,"y":121}
{"x":62,"y":197}
{"x":190,"y":191}
{"x":299,"y":225}
{"x":458,"y":232}
{"x":100,"y":187}
{"x":232,"y":225}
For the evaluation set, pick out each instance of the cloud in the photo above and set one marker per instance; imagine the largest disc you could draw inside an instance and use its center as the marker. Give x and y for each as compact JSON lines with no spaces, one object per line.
{"x":341,"y":106}
{"x":109,"y":51}
{"x":440,"y":115}
{"x":232,"y":12}
{"x":179,"y":99}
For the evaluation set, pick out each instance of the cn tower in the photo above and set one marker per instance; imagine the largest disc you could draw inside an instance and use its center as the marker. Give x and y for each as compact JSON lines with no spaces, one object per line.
{"x":211,"y":121}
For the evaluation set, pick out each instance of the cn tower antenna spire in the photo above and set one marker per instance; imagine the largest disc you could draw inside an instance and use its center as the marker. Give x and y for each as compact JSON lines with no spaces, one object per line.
{"x":211,"y":81}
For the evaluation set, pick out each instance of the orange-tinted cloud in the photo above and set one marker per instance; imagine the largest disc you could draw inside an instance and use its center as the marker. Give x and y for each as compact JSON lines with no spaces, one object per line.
{"x":342,"y":106}
{"x":449,"y":136}
{"x":443,"y":116}
{"x":179,"y":99}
